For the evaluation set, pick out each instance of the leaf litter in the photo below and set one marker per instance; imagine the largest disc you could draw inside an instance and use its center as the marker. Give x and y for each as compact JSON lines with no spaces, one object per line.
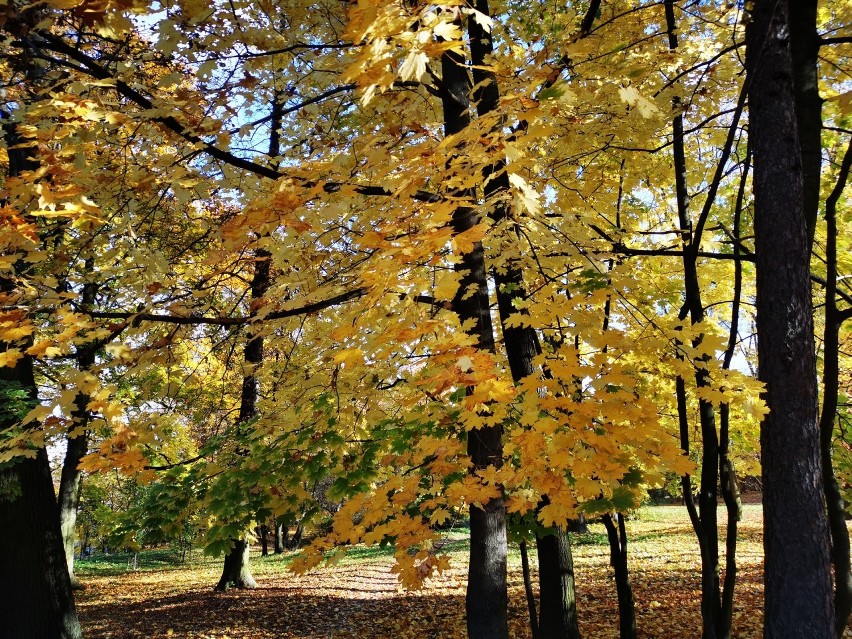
{"x":360,"y":596}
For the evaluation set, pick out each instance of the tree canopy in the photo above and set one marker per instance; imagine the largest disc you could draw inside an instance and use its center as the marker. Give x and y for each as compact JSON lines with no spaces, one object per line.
{"x":366,"y":160}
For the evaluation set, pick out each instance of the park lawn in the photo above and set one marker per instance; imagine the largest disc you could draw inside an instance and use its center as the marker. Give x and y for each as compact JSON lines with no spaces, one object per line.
{"x":359,"y":596}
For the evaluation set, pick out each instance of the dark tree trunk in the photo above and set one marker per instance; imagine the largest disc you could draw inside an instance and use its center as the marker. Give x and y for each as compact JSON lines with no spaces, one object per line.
{"x":236,"y":573}
{"x":262,"y":533}
{"x":831,"y":373}
{"x":797,"y":569}
{"x":558,"y":613}
{"x":487,"y":597}
{"x":579,"y":525}
{"x":296,"y":539}
{"x":557,"y":602}
{"x":69,"y":499}
{"x":35,"y":590}
{"x":36,"y":601}
{"x":804,"y":48}
{"x":253,"y":357}
{"x":617,"y":535}
{"x":528,"y":589}
{"x":70,"y":483}
{"x":704,"y":519}
{"x":727,"y":474}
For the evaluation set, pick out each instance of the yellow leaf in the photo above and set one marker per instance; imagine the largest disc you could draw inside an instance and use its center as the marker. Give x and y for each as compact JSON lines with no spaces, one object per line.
{"x":466,"y":241}
{"x":10,"y":357}
{"x":349,"y":356}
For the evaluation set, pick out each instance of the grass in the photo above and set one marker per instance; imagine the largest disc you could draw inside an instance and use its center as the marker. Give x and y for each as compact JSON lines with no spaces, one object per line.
{"x":360,"y":596}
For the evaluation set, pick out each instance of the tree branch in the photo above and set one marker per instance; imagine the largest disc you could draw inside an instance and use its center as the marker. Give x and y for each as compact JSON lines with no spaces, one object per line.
{"x":311,"y":307}
{"x":94,"y":69}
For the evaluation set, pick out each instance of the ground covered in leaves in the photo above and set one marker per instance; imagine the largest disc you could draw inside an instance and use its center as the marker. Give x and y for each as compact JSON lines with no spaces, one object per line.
{"x":359,"y":597}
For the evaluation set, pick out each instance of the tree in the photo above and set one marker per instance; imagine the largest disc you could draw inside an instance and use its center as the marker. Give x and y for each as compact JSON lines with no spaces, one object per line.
{"x":427,"y":161}
{"x":35,"y":589}
{"x":797,"y":577}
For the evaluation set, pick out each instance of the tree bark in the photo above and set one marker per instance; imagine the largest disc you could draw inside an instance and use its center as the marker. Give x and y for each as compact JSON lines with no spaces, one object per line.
{"x":705,"y":524}
{"x":262,"y":532}
{"x":253,"y":357}
{"x":804,"y":48}
{"x":557,"y":601}
{"x":236,"y":573}
{"x":69,"y":499}
{"x":830,"y":375}
{"x":487,"y":597}
{"x":797,"y":575}
{"x":77,"y":446}
{"x":278,"y":544}
{"x":36,"y":601}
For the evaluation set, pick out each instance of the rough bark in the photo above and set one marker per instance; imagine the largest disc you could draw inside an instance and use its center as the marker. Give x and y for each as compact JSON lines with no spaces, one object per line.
{"x":557,"y":601}
{"x":35,"y":591}
{"x":804,"y":47}
{"x":236,"y":573}
{"x":798,"y":597}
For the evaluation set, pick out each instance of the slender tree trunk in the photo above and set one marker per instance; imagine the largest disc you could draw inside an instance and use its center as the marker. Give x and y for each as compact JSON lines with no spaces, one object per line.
{"x":236,"y":568}
{"x":558,"y":613}
{"x":69,"y":499}
{"x":296,"y":539}
{"x":528,"y":589}
{"x":36,"y":601}
{"x":70,"y":483}
{"x":705,"y":523}
{"x":617,"y":535}
{"x":727,"y":473}
{"x":557,"y":601}
{"x":278,"y":544}
{"x":797,"y":569}
{"x":262,"y":532}
{"x":831,"y":373}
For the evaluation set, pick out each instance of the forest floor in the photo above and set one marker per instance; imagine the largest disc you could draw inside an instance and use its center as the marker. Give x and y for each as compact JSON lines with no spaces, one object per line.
{"x":359,"y":597}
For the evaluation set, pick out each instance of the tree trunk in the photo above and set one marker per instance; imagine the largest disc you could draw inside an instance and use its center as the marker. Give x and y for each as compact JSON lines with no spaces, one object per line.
{"x":69,"y":499}
{"x":797,"y":575}
{"x":70,"y":483}
{"x":35,"y":591}
{"x":617,"y":535}
{"x":262,"y":532}
{"x":831,"y":376}
{"x":278,"y":544}
{"x":487,"y":597}
{"x":528,"y":589}
{"x":804,"y":48}
{"x":236,"y":573}
{"x":557,"y":602}
{"x":253,"y":357}
{"x":704,"y":520}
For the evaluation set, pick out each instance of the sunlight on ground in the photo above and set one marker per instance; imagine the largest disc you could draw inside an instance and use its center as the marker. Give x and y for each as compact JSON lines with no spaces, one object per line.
{"x":360,"y":597}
